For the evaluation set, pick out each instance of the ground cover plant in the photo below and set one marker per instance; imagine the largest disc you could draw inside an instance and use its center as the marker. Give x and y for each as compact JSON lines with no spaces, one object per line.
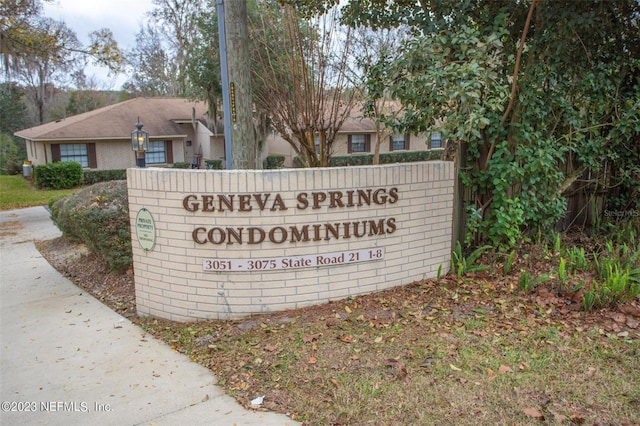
{"x":478,"y":348}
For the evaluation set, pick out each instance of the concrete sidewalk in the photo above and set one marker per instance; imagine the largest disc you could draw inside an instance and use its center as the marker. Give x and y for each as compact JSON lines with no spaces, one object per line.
{"x":67,"y":359}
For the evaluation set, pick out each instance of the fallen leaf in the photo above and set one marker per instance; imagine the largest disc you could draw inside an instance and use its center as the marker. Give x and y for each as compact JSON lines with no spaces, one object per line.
{"x":391,"y":362}
{"x":579,"y":419}
{"x":346,"y":338}
{"x":270,"y":348}
{"x":378,"y":339}
{"x":312,"y":360}
{"x":310,"y":338}
{"x":335,"y":383}
{"x":347,"y":309}
{"x":619,"y":317}
{"x":491,"y":374}
{"x":394,"y":363}
{"x":427,"y":362}
{"x":454,"y":368}
{"x":505,"y":369}
{"x":532,"y":412}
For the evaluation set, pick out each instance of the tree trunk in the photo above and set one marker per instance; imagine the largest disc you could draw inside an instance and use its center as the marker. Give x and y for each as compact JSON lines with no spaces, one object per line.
{"x":244,"y":150}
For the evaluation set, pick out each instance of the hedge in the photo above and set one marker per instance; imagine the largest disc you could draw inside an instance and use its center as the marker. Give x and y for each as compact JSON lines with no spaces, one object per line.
{"x":385,"y":158}
{"x":181,"y":165}
{"x":91,"y":177}
{"x":213,"y":164}
{"x":273,"y":161}
{"x":59,"y":175}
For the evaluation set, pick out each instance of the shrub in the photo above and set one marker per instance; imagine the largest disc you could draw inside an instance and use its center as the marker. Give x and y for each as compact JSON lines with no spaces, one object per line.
{"x":60,"y":175}
{"x":181,"y":165}
{"x":385,"y":158}
{"x":213,"y":164}
{"x":273,"y":161}
{"x":91,"y":177}
{"x":98,"y":216}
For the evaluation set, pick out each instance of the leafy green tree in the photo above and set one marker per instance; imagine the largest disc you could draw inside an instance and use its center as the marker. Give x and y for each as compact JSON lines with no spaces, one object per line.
{"x":39,"y":52}
{"x":177,"y":21}
{"x":158,"y":62}
{"x":23,"y":33}
{"x":203,"y":70}
{"x":545,"y":94}
{"x":373,"y":50}
{"x":203,"y":64}
{"x":153,"y":71}
{"x":10,"y":158}
{"x":47,"y":60}
{"x":13,"y":116}
{"x":13,"y":113}
{"x":16,"y":29}
{"x":89,"y":99}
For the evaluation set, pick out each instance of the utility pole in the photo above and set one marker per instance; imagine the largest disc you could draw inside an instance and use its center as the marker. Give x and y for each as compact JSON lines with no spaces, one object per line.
{"x":224,"y":73}
{"x":238,"y":121}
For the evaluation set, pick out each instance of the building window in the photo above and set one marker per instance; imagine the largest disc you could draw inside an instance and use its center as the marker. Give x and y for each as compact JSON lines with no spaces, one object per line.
{"x":75,"y":152}
{"x":359,"y":143}
{"x":399,"y":142}
{"x":435,"y":140}
{"x":157,"y":153}
{"x":85,"y":154}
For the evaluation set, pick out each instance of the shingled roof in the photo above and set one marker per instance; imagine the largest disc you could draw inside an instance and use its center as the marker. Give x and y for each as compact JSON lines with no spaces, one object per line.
{"x":158,"y":115}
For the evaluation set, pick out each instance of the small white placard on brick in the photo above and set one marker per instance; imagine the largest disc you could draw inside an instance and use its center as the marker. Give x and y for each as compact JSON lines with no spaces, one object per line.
{"x":293,"y":262}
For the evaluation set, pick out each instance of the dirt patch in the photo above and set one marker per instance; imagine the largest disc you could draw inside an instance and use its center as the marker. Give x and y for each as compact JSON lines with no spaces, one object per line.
{"x":10,"y":229}
{"x":87,"y":271}
{"x":14,"y":224}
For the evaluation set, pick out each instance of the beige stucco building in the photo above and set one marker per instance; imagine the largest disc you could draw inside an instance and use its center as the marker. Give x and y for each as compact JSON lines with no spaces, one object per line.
{"x":179,"y":131}
{"x":101,"y":139}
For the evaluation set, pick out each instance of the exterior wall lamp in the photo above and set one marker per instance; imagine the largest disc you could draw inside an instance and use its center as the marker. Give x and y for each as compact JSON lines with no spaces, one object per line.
{"x":140,"y":143}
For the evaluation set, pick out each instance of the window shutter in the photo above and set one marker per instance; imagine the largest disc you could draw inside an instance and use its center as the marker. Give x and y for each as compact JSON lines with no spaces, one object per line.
{"x":55,"y":153}
{"x":349,"y":150}
{"x":93,"y":158}
{"x":367,"y":143}
{"x":168,"y":146}
{"x":407,"y":139}
{"x":390,"y":143}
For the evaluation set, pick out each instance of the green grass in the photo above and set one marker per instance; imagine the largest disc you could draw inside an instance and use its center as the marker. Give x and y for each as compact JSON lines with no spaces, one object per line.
{"x":16,"y":192}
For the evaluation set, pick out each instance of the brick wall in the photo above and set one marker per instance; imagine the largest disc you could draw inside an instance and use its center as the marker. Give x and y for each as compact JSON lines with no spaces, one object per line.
{"x":401,"y":218}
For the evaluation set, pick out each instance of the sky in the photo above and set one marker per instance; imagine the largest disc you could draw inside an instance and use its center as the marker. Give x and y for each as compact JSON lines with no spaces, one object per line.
{"x":122,"y":17}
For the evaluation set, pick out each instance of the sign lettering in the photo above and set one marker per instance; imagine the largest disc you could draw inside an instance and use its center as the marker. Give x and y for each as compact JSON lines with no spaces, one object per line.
{"x":293,"y":262}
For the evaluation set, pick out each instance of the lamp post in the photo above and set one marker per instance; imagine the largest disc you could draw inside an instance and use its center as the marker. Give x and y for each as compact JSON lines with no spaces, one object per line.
{"x":139,"y":143}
